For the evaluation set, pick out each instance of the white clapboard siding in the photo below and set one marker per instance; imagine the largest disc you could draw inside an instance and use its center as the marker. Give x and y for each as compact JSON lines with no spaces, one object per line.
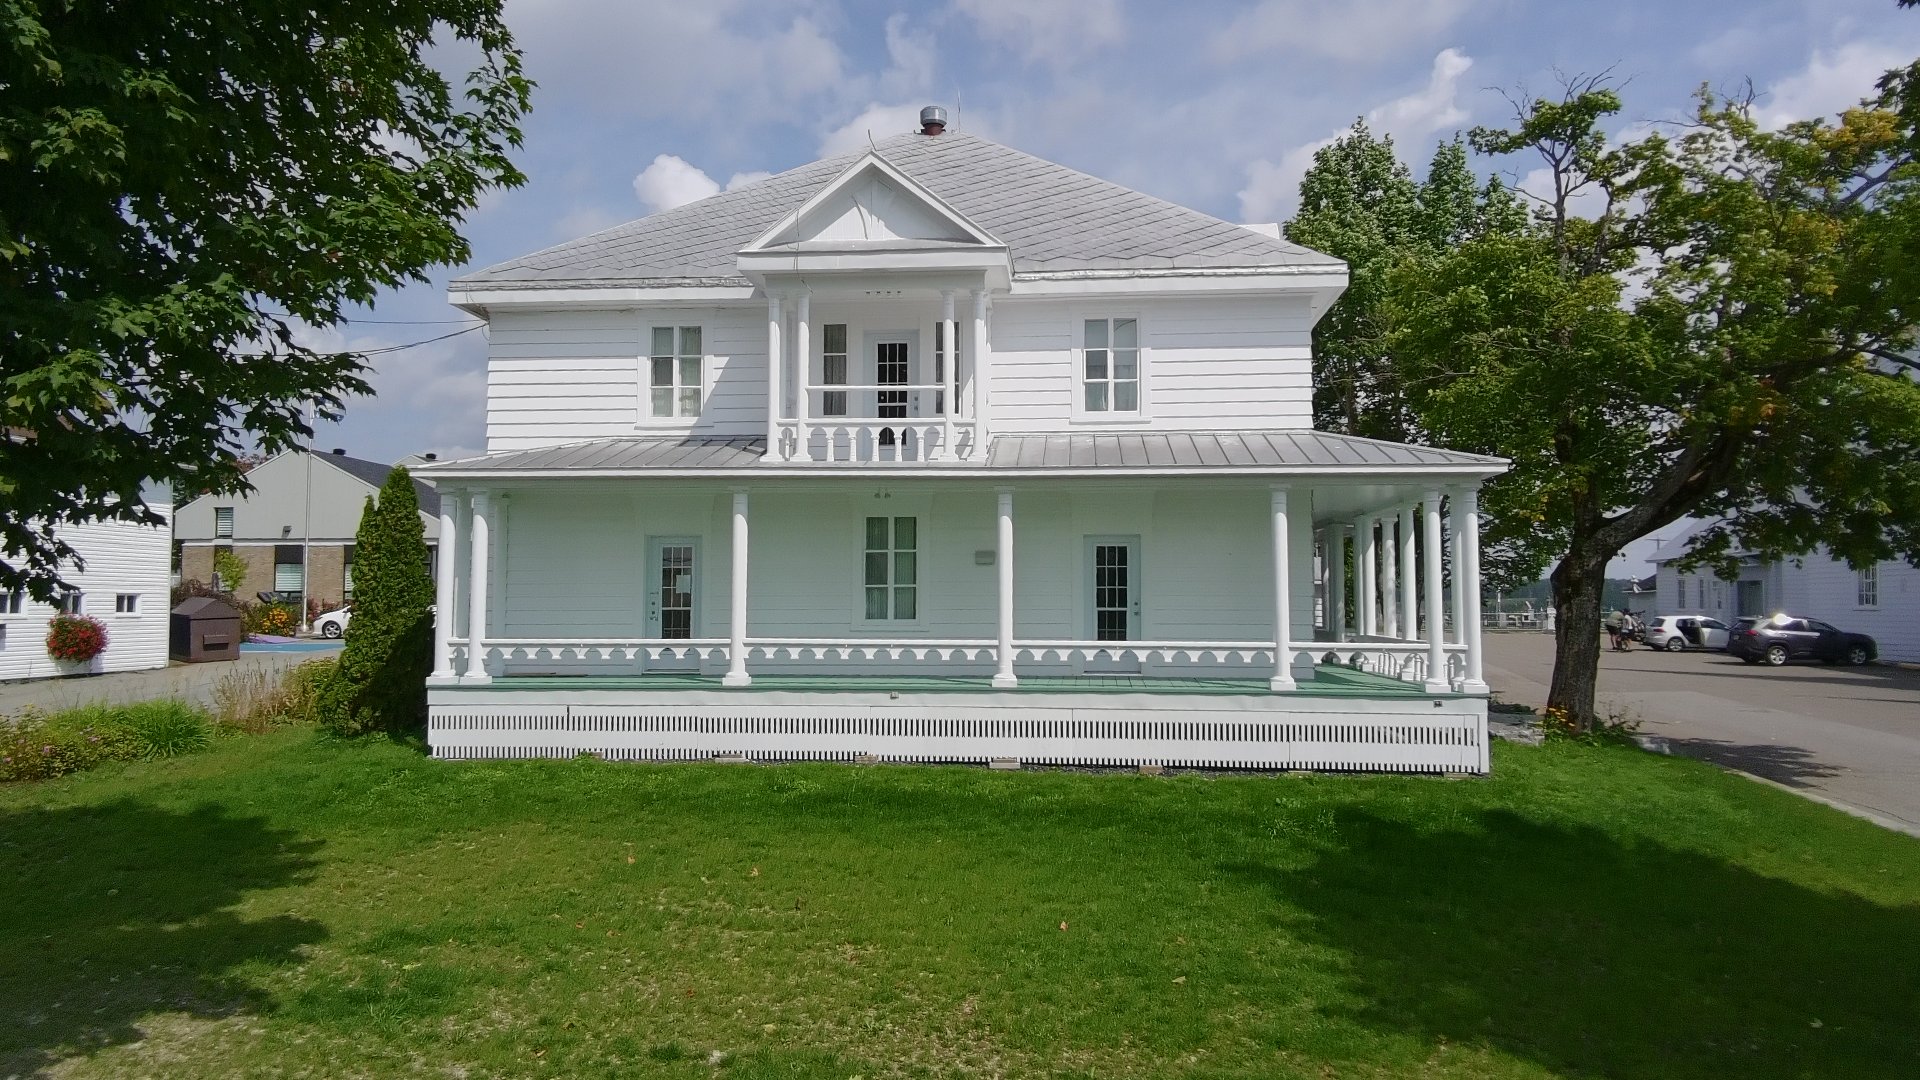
{"x":120,"y":558}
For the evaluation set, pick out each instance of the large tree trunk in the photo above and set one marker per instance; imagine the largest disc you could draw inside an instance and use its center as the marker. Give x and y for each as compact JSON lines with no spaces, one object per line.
{"x":1578,"y":583}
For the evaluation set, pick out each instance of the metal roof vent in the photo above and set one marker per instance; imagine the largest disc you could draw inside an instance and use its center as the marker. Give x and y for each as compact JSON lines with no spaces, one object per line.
{"x":933,"y":120}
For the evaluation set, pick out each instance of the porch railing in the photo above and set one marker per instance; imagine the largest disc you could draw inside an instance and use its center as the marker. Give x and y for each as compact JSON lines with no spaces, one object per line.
{"x":844,"y":422}
{"x":1405,"y":661}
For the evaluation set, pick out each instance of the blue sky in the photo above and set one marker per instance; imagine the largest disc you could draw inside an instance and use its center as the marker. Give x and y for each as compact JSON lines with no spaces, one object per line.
{"x":645,"y":104}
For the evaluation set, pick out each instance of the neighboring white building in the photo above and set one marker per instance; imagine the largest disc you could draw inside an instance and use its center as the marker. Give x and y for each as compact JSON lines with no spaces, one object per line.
{"x":1031,"y":475}
{"x":1882,"y":600}
{"x":124,"y":585}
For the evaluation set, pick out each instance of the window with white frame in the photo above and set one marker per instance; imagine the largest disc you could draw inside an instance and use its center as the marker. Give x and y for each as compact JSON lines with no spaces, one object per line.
{"x":892,"y":577}
{"x":126,"y":603}
{"x":1868,"y":587}
{"x":72,"y":602}
{"x":223,"y":521}
{"x":1110,"y":366}
{"x":676,"y":373}
{"x":11,"y":602}
{"x":833,"y":368}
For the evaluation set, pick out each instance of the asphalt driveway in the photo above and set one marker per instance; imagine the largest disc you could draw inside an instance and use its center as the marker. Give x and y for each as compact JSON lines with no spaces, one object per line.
{"x":1849,"y":734}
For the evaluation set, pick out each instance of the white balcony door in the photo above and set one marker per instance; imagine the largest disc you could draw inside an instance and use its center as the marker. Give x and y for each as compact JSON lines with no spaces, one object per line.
{"x":893,"y":359}
{"x":1113,"y":598}
{"x":673,"y":595}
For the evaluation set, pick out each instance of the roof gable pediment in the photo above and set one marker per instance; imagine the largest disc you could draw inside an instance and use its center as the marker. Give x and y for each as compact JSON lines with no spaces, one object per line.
{"x":871,"y":202}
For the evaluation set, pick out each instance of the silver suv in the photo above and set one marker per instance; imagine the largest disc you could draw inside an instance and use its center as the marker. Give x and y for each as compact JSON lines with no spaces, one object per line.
{"x":1677,"y":633}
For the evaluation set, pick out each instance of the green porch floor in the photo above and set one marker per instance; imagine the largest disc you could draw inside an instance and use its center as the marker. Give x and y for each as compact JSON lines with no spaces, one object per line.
{"x":1332,"y":682}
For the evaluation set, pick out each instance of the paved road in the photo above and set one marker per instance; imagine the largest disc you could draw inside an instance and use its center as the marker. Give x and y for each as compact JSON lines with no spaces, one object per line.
{"x":1850,"y":734}
{"x":193,"y":682}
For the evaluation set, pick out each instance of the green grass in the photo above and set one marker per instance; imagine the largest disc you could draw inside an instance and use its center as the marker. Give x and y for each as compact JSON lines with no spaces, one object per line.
{"x":286,"y":905}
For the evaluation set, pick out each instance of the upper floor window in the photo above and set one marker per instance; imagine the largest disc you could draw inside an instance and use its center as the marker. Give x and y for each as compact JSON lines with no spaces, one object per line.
{"x":676,"y":376}
{"x":72,"y":602}
{"x":10,"y":602}
{"x":1868,"y":587}
{"x":223,"y":521}
{"x":833,"y":368}
{"x":1110,"y":366}
{"x":126,"y":603}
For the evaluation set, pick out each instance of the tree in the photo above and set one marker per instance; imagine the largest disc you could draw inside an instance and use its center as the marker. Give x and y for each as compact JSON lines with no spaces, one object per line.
{"x":229,"y":570}
{"x":382,"y":679}
{"x":183,"y":189}
{"x":1721,"y":338}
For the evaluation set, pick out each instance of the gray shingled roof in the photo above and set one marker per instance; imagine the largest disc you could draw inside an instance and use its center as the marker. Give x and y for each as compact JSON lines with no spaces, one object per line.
{"x":1052,"y":218}
{"x":372,"y":472}
{"x":1199,"y":451}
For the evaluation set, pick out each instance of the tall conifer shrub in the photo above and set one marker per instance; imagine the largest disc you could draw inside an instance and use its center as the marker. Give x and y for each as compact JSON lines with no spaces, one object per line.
{"x":381,"y":683}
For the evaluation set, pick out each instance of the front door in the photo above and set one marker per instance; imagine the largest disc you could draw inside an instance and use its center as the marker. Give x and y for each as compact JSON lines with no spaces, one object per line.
{"x":1113,"y":564}
{"x":1748,"y":598}
{"x":673,"y":595}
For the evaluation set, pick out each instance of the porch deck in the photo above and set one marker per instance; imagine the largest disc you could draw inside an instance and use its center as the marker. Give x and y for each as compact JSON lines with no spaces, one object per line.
{"x":1342,"y":719}
{"x":1329,"y":681}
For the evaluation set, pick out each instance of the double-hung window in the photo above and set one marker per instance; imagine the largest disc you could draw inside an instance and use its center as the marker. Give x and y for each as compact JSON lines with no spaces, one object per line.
{"x":1110,"y":366}
{"x":892,"y":578}
{"x":11,"y":602}
{"x":833,"y":368}
{"x":1867,"y":590}
{"x":676,"y":375}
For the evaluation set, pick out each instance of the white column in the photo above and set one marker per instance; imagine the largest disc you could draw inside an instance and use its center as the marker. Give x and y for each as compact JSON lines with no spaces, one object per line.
{"x":1389,"y":579}
{"x":477,"y":591}
{"x":977,"y":371}
{"x":1003,"y":677}
{"x":445,"y":566}
{"x":499,"y":539}
{"x":950,"y":366}
{"x":1436,"y":622}
{"x":737,"y":623}
{"x":1366,"y":574}
{"x":776,"y":357}
{"x":1475,"y":682}
{"x":1454,"y":562}
{"x":1282,"y":610}
{"x":803,"y":378}
{"x":1409,"y":577}
{"x":1337,"y":581}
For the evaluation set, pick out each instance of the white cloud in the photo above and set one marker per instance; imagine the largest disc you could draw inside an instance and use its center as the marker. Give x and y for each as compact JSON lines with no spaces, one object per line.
{"x":1343,"y":29}
{"x":1832,"y":80}
{"x":877,"y":122}
{"x":669,"y":182}
{"x":1059,"y":32}
{"x":911,"y":59}
{"x":742,"y":179}
{"x":1273,"y":188}
{"x":434,"y":393}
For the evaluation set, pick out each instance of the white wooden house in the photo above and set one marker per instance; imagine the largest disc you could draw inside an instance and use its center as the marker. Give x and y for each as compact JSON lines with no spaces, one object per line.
{"x":124,"y":584}
{"x":940,"y":451}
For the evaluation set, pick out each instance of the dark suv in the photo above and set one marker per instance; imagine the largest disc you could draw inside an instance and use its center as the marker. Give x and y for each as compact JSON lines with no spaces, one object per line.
{"x":1783,"y":638}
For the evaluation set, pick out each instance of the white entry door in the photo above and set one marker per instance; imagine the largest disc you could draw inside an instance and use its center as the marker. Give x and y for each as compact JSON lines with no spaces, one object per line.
{"x":1113,"y":595}
{"x":673,"y":595}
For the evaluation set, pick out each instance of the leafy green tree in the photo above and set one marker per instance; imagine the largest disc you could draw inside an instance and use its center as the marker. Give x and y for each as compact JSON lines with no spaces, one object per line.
{"x":230,"y":569}
{"x":382,"y":678}
{"x":181,"y":187}
{"x":1721,"y":336}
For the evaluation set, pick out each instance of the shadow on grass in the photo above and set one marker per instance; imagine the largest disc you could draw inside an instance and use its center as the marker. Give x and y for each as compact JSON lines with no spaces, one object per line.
{"x":1593,"y":957}
{"x":116,"y":912}
{"x":1788,"y":765}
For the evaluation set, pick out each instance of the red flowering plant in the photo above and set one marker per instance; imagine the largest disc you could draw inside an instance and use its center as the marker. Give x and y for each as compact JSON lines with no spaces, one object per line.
{"x":75,"y":639}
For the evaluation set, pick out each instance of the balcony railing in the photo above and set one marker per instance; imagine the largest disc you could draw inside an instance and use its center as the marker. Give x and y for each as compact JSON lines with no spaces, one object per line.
{"x":879,"y":422}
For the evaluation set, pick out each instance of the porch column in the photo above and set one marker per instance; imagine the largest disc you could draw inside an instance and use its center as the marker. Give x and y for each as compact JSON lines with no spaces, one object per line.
{"x":1454,"y":562}
{"x":1337,"y":581}
{"x":1389,"y":578}
{"x":477,"y":591}
{"x":1436,"y":622}
{"x":445,"y":558}
{"x":949,"y":374}
{"x":802,"y":373}
{"x":1409,"y":577}
{"x":1003,"y":676}
{"x":1282,"y":679}
{"x":1366,"y":577}
{"x":977,"y":371}
{"x":1468,"y":574}
{"x":776,"y":357}
{"x":737,"y":622}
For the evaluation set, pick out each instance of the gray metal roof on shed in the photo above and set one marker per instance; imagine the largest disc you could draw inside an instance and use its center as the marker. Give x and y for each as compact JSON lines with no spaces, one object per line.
{"x":1199,"y":452}
{"x":1052,"y":218}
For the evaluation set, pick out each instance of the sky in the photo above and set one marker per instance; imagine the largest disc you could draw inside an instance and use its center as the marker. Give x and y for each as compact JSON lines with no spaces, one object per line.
{"x":1216,"y":104}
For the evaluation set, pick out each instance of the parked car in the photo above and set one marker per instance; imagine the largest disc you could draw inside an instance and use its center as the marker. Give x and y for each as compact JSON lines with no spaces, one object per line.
{"x":332,"y":624}
{"x":1784,"y":637}
{"x":1676,"y":633}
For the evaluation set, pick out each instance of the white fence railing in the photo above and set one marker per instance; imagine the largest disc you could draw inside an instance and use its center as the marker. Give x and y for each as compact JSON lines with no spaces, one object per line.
{"x":866,"y":439}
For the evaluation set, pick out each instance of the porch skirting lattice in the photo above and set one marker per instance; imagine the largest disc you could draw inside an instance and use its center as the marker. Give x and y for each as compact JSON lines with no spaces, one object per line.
{"x":1408,"y":733}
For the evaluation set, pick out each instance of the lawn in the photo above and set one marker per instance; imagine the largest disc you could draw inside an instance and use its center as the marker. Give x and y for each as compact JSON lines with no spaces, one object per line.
{"x":291,"y":906}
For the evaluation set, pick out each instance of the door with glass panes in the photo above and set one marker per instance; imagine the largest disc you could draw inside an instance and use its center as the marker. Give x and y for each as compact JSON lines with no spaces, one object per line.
{"x":1113,"y":598}
{"x":673,"y":595}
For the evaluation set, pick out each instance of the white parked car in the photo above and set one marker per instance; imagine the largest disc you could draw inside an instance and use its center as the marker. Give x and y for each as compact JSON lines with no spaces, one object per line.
{"x":332,"y":624}
{"x":1676,"y":633}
